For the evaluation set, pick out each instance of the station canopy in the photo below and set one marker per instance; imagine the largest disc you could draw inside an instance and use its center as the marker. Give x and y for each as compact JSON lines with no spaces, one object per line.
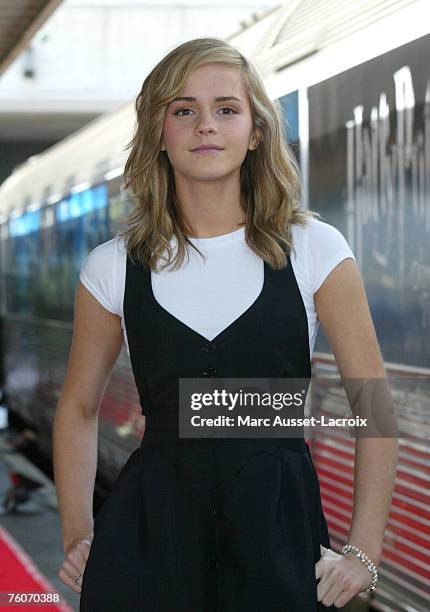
{"x":19,"y":22}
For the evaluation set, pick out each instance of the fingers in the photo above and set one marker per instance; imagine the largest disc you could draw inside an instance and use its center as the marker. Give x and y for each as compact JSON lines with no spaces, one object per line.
{"x":330,"y":587}
{"x":67,"y":573}
{"x":74,"y":565}
{"x":331,"y":597}
{"x":340,"y":578}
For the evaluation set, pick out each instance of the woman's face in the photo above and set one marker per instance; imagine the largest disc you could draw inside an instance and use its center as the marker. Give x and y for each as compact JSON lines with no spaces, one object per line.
{"x":202,"y":120}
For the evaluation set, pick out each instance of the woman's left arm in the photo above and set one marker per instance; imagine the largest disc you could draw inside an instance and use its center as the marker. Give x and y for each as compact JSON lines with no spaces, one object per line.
{"x":342,"y":308}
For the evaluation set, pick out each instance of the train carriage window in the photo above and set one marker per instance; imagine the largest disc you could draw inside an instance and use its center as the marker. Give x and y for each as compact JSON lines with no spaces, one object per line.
{"x":43,"y":250}
{"x":82,"y":222}
{"x":22,"y":255}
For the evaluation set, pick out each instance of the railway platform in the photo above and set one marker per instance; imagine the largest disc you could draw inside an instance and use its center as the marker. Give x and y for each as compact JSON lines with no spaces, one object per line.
{"x":30,"y":536}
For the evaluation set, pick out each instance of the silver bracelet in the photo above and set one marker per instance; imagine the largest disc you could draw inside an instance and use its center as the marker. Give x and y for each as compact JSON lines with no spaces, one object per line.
{"x":349,"y":548}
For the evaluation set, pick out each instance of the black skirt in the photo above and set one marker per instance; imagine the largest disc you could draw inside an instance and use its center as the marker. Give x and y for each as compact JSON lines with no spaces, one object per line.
{"x":209,"y":526}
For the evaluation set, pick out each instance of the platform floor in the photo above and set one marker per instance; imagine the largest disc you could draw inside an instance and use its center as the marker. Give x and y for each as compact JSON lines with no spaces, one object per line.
{"x":36,"y":527}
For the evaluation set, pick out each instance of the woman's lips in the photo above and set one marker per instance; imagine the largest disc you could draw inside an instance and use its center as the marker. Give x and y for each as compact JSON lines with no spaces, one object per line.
{"x":207,"y":151}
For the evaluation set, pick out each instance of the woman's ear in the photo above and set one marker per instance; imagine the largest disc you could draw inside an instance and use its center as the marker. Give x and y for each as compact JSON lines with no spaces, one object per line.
{"x":255,"y":139}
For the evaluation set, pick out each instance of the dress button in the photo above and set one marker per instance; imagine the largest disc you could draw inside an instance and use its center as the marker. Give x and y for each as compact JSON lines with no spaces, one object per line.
{"x":213,"y":563}
{"x":214,"y":512}
{"x":209,"y":348}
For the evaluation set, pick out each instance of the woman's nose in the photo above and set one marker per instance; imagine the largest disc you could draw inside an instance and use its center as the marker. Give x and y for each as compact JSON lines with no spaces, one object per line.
{"x":206,"y":123}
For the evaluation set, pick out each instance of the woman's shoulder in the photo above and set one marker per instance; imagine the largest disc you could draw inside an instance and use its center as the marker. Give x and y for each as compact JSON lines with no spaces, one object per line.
{"x":317,"y":230}
{"x":321,"y":247}
{"x":326,"y":240}
{"x":102,"y":258}
{"x":101,"y":272}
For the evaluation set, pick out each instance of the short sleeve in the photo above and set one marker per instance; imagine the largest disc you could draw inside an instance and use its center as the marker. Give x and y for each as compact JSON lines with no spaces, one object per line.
{"x":97,"y":274}
{"x":327,"y":248}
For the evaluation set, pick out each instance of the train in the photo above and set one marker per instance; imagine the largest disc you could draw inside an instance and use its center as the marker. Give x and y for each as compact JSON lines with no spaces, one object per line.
{"x":357,"y":116}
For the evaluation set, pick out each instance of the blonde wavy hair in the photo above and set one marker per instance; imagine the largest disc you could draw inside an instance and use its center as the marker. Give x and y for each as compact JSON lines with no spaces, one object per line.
{"x":270,"y":183}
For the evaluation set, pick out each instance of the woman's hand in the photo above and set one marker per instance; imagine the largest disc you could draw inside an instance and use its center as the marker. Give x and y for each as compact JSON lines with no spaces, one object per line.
{"x":341,"y":577}
{"x":74,"y":563}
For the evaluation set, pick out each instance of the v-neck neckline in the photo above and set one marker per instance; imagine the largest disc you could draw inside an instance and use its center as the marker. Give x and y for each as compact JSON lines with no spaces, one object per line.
{"x":229,"y":327}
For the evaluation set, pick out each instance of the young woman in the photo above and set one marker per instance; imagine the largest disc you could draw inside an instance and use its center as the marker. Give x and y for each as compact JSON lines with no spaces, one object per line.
{"x":220,"y":273}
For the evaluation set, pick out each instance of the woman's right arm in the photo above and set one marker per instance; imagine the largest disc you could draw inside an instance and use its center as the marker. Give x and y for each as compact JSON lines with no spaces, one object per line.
{"x":96,"y":344}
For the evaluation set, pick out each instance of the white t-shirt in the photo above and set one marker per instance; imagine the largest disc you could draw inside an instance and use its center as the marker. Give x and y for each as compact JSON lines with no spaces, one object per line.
{"x":209,"y":295}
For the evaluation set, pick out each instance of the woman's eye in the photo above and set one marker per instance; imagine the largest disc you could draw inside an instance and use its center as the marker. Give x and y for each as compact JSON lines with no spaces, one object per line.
{"x":180,"y":110}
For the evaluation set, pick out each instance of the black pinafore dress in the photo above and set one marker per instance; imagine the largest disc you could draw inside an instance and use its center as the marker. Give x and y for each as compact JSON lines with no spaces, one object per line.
{"x":209,"y":525}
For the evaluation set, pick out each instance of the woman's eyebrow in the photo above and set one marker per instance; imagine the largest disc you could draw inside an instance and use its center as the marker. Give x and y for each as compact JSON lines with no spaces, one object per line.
{"x":216,"y":99}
